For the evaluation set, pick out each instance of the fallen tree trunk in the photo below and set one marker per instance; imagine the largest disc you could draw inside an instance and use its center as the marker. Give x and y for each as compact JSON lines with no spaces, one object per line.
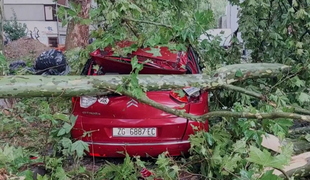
{"x":45,"y":86}
{"x":51,"y":86}
{"x":274,"y":143}
{"x":299,"y":165}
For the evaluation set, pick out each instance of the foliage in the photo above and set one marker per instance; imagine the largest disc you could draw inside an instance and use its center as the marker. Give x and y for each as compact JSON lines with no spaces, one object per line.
{"x":232,"y":148}
{"x":42,"y":128}
{"x":3,"y":65}
{"x":275,"y":31}
{"x":14,"y":29}
{"x":148,"y":23}
{"x":13,"y":158}
{"x":166,"y":168}
{"x":218,"y":7}
{"x":272,"y":30}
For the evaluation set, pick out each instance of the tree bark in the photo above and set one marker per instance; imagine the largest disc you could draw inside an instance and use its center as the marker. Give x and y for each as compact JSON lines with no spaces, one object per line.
{"x":299,"y":165}
{"x":51,"y":86}
{"x":43,"y":86}
{"x":77,"y":34}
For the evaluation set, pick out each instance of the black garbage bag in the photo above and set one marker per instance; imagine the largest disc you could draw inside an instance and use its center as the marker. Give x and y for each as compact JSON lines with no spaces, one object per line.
{"x":51,"y":62}
{"x":19,"y":65}
{"x":15,"y":65}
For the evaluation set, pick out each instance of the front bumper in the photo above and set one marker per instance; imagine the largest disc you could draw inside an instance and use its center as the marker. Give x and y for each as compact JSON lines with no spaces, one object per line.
{"x":175,"y":148}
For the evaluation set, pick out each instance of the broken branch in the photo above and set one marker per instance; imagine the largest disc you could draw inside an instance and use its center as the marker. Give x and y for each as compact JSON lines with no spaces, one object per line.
{"x":263,"y":98}
{"x":147,"y":22}
{"x":180,"y":113}
{"x":51,"y":86}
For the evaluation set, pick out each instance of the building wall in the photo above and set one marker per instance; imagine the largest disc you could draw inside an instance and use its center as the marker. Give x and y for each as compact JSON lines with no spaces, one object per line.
{"x":42,"y":30}
{"x":33,"y":12}
{"x":29,"y":2}
{"x":35,"y":15}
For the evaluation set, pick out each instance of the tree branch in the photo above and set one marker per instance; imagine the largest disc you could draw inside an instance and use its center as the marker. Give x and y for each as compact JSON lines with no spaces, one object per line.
{"x":306,"y":32}
{"x":147,"y":22}
{"x":263,"y":98}
{"x":70,"y":86}
{"x":51,"y":86}
{"x":132,"y":29}
{"x":204,"y":117}
{"x":244,"y":91}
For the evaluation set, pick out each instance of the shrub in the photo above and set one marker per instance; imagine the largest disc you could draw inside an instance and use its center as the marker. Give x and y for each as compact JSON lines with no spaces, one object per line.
{"x":14,"y":29}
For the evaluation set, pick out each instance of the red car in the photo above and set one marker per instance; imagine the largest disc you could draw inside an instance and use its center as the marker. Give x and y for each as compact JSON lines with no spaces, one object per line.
{"x":117,"y":123}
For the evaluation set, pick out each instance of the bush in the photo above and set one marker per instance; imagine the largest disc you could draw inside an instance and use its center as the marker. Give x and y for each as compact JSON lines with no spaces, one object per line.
{"x":13,"y":29}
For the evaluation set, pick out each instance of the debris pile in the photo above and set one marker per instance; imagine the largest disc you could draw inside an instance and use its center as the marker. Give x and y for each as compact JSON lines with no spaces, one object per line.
{"x":24,"y":48}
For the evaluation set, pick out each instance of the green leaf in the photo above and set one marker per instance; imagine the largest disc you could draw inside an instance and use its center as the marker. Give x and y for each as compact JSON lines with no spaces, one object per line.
{"x":61,"y":174}
{"x":139,"y":162}
{"x":230,"y":164}
{"x":64,"y":22}
{"x":303,"y":98}
{"x":300,"y":52}
{"x":73,"y":119}
{"x":66,"y":142}
{"x":45,"y":177}
{"x":252,"y":3}
{"x":28,"y":175}
{"x":86,"y":21}
{"x":265,"y":159}
{"x":299,"y":45}
{"x":71,"y":12}
{"x":275,"y":36}
{"x":240,"y":146}
{"x":79,"y":147}
{"x":301,"y":13}
{"x":216,"y":156}
{"x":270,"y":176}
{"x":307,"y":137}
{"x":297,"y":82}
{"x":209,"y":138}
{"x":246,"y":175}
{"x":155,"y":52}
{"x":65,"y":129}
{"x":180,"y":92}
{"x":238,"y":73}
{"x":61,"y":116}
{"x":134,"y":62}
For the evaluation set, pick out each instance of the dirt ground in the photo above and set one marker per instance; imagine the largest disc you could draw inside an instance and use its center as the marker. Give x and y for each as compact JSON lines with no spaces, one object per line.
{"x":24,"y":47}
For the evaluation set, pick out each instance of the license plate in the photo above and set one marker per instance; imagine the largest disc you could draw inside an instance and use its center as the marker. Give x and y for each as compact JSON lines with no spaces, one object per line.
{"x":134,"y":132}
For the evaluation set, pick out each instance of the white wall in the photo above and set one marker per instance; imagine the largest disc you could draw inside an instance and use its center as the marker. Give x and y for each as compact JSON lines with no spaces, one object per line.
{"x":31,"y":12}
{"x":34,"y":12}
{"x":232,"y":19}
{"x":29,"y":2}
{"x":44,"y":29}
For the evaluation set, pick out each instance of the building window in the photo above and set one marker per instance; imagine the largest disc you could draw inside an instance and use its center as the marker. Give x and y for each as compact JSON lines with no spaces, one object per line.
{"x":53,"y":42}
{"x":50,"y":12}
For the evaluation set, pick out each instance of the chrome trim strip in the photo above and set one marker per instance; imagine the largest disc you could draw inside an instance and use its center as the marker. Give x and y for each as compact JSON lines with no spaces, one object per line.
{"x":138,"y":144}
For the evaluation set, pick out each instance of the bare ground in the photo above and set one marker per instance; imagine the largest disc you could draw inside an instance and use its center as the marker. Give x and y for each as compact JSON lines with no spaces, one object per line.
{"x":24,"y":47}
